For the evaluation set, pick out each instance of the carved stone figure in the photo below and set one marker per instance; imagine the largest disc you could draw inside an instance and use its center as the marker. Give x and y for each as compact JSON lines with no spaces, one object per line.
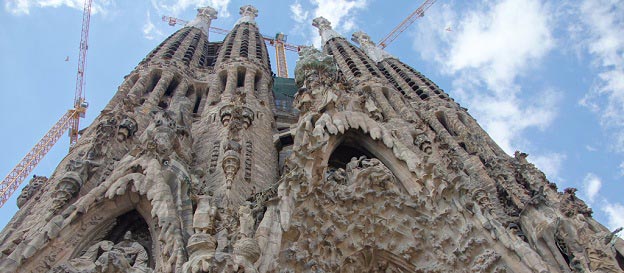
{"x":125,"y":256}
{"x":127,"y":128}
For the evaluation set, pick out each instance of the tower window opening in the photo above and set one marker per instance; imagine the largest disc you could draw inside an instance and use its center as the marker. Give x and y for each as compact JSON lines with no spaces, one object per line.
{"x":257,"y":79}
{"x":222,"y":81}
{"x":190,"y":92}
{"x":172,"y":87}
{"x":153,"y":83}
{"x":198,"y":100}
{"x":463,"y":146}
{"x":240,"y":77}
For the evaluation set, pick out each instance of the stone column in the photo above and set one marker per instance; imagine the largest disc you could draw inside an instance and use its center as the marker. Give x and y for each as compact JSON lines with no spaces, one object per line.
{"x":250,"y":75}
{"x":215,"y":90}
{"x":139,"y":87}
{"x":180,"y":91}
{"x":160,"y":88}
{"x":399,"y":105}
{"x":230,"y":84}
{"x":383,"y":102}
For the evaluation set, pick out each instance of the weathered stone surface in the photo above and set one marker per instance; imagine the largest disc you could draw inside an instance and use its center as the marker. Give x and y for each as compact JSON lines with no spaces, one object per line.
{"x":190,"y":169}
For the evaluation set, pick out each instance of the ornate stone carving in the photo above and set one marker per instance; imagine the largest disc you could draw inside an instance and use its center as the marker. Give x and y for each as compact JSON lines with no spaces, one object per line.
{"x":423,"y":143}
{"x":369,"y":47}
{"x":214,"y":156}
{"x":77,"y":172}
{"x":248,"y":160}
{"x":325,"y":29}
{"x":31,"y":189}
{"x":313,"y":69}
{"x":127,"y":128}
{"x":231,"y":162}
{"x":236,"y":116}
{"x":572,"y":205}
{"x":125,"y":256}
{"x":248,"y":14}
{"x":108,"y":257}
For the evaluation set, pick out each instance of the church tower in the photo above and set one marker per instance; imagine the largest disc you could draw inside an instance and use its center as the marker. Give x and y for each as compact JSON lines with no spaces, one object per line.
{"x":201,"y":163}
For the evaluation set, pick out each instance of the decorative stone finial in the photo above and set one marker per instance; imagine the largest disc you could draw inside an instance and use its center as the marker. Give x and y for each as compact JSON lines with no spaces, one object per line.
{"x":203,"y":19}
{"x":248,"y":14}
{"x":368,"y":46}
{"x":325,"y":29}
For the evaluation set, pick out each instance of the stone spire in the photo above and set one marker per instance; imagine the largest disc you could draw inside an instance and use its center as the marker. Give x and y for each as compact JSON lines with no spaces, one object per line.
{"x":368,"y":46}
{"x":325,"y":29}
{"x":248,"y":14}
{"x":204,"y":17}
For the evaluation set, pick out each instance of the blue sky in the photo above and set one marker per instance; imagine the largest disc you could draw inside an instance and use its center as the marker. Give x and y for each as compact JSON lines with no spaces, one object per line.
{"x":543,"y":77}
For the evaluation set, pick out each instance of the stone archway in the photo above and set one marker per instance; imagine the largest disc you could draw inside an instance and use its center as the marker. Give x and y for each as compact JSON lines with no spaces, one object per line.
{"x":81,"y":231}
{"x":357,"y":143}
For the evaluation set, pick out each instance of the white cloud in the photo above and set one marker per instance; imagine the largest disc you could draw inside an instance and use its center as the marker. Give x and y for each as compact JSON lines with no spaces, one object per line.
{"x":590,"y":148}
{"x":298,"y":14}
{"x":175,"y":7}
{"x":591,"y":186}
{"x":341,"y":14}
{"x":550,"y":164}
{"x":150,"y":31}
{"x":22,"y":7}
{"x":615,"y":215}
{"x":489,"y":49}
{"x":604,"y":23}
{"x":502,"y":41}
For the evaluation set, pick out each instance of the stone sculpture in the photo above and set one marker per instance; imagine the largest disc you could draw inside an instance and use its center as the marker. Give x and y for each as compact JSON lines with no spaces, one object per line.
{"x":194,"y":166}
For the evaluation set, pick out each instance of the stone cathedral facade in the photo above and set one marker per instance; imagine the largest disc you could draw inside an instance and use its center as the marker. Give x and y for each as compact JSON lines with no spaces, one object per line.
{"x":198,"y":164}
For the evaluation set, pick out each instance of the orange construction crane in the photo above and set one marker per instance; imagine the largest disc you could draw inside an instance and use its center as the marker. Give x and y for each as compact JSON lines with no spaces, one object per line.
{"x":279,"y":42}
{"x":71,"y":121}
{"x":280,"y":54}
{"x":419,"y":12}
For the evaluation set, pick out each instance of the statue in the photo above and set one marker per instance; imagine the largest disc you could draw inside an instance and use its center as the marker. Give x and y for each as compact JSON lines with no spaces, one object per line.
{"x":125,"y":256}
{"x":107,"y":257}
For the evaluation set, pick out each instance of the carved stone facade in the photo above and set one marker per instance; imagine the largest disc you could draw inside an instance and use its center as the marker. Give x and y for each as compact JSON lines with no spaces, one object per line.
{"x":193,"y":168}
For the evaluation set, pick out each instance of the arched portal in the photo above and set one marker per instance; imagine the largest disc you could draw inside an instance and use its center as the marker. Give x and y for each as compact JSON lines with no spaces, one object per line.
{"x":355,"y":143}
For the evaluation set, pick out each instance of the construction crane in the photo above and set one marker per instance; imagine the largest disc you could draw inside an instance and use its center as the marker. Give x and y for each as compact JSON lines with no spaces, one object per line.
{"x":419,"y":12}
{"x":280,"y":54}
{"x":279,"y":42}
{"x":70,"y":120}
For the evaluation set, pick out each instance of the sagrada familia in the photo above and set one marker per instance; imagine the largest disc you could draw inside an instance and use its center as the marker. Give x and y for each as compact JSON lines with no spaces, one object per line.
{"x":204,"y":162}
